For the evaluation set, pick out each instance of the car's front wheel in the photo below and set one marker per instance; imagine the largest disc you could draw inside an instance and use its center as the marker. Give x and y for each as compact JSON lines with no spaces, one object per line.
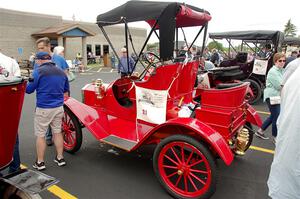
{"x":72,"y":132}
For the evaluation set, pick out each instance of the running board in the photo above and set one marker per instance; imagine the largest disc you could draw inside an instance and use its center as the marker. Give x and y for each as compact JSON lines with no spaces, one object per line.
{"x":121,"y":143}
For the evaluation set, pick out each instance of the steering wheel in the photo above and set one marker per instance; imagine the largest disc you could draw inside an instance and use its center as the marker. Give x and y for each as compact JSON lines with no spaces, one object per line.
{"x":150,"y":57}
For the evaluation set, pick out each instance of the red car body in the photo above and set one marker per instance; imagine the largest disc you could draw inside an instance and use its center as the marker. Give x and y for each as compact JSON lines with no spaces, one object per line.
{"x":222,"y":111}
{"x":217,"y":125}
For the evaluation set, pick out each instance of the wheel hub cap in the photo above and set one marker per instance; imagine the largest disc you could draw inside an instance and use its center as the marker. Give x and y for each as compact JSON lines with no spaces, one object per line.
{"x":179,"y":172}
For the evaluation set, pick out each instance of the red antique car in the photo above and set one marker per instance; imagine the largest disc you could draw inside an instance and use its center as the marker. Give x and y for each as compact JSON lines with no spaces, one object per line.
{"x":23,"y":184}
{"x":134,"y":111}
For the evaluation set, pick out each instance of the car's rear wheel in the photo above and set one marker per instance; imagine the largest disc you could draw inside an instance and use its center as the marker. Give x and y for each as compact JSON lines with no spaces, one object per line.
{"x":185,"y":167}
{"x":72,"y":132}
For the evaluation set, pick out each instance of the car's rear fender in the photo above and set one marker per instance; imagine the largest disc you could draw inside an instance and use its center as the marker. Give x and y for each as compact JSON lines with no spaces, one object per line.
{"x":196,"y":129}
{"x":253,"y":117}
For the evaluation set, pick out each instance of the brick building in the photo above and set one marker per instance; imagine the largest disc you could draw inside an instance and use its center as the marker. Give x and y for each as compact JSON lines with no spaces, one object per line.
{"x":20,"y":30}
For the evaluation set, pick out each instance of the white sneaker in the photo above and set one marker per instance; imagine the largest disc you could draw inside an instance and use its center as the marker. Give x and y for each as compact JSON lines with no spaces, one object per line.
{"x":259,"y":133}
{"x":274,"y":140}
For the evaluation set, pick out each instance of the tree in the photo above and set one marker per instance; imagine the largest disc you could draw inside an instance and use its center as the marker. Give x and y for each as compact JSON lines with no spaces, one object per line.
{"x":216,"y":45}
{"x":290,"y":29}
{"x":153,"y":46}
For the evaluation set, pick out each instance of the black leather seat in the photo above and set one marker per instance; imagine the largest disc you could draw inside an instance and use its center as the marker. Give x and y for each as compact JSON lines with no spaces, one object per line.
{"x":227,"y":73}
{"x":228,"y":85}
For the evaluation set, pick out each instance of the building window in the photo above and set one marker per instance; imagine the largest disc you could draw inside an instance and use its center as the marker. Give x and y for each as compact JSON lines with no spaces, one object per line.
{"x":105,"y":49}
{"x":98,"y":49}
{"x":88,"y":48}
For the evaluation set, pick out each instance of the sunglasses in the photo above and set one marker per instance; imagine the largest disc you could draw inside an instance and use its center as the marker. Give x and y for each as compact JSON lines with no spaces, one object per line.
{"x":281,"y":60}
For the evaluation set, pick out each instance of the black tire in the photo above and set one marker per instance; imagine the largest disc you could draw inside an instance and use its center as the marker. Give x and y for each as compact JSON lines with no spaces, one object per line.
{"x":258,"y":80}
{"x":256,"y":89}
{"x":75,"y":127}
{"x":251,"y":133}
{"x":162,"y":148}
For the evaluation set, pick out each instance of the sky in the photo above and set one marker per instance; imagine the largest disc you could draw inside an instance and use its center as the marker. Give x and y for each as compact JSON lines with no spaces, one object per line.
{"x":227,"y":15}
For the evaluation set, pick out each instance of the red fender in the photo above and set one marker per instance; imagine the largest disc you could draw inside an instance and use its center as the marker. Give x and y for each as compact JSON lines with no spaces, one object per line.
{"x":213,"y":138}
{"x":253,"y":117}
{"x":87,"y":116}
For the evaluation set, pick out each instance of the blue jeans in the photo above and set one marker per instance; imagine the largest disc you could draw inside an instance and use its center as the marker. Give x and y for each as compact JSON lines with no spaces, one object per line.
{"x":15,"y":164}
{"x":48,"y":134}
{"x":272,"y":119}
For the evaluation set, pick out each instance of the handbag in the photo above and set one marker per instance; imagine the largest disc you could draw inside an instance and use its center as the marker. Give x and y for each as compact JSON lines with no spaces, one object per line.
{"x":71,"y":76}
{"x":275,"y":100}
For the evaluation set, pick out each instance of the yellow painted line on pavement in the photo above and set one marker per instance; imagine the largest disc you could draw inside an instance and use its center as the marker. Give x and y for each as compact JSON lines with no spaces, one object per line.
{"x":262,"y":149}
{"x":263,"y":112}
{"x":56,"y":190}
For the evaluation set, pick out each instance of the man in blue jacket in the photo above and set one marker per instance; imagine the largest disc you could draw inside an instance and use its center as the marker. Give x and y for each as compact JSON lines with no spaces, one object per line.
{"x":51,"y":84}
{"x":44,"y":45}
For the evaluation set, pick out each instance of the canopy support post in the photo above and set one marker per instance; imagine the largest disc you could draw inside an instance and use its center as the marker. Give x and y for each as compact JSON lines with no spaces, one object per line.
{"x":204,"y":40}
{"x":196,"y":38}
{"x":145,"y":43}
{"x":126,"y":43}
{"x":176,"y":50}
{"x":184,"y":37}
{"x":108,"y":40}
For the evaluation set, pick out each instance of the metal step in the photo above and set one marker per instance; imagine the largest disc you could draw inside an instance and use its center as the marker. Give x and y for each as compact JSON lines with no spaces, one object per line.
{"x":119,"y":142}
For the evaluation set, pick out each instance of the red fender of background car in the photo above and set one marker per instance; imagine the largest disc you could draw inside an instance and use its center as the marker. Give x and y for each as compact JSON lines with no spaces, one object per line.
{"x":253,"y":117}
{"x":209,"y":135}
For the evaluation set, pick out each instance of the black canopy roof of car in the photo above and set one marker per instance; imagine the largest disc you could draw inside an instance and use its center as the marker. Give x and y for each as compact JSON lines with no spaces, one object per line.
{"x":251,"y":36}
{"x":165,"y":16}
{"x":148,"y":10}
{"x":291,"y":41}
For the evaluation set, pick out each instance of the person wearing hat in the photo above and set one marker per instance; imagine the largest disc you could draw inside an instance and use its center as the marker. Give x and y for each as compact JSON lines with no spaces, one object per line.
{"x":51,"y":85}
{"x":43,"y":45}
{"x":123,"y":67}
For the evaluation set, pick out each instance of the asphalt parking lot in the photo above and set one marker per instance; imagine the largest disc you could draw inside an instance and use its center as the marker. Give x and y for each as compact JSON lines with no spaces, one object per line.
{"x":100,"y":171}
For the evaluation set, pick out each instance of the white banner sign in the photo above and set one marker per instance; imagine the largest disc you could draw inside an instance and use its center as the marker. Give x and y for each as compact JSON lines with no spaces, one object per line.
{"x":204,"y":81}
{"x":151,"y":105}
{"x":260,"y":67}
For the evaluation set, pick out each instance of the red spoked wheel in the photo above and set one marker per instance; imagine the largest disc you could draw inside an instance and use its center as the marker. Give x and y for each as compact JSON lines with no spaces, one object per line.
{"x":185,"y":167}
{"x":72,"y":132}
